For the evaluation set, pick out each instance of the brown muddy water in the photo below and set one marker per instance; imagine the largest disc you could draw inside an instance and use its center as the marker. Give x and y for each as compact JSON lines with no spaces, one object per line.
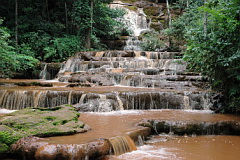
{"x":162,"y":146}
{"x":158,"y":147}
{"x":185,"y":148}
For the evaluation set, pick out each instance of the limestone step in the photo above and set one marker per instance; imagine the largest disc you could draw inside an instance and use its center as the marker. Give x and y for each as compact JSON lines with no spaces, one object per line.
{"x":106,"y":98}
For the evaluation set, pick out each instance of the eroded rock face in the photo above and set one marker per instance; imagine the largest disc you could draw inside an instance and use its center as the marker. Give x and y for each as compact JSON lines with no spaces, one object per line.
{"x":35,"y":148}
{"x":27,"y":147}
{"x":45,"y":122}
{"x":42,"y":122}
{"x":189,"y":127}
{"x":97,"y":105}
{"x":30,"y":148}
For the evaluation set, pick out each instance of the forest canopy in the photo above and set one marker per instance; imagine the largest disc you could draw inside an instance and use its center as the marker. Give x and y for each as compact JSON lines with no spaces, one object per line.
{"x":211,"y":31}
{"x":53,"y":30}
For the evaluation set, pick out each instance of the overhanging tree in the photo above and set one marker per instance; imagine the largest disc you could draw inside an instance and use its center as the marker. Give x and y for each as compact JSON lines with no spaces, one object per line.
{"x":214,"y":49}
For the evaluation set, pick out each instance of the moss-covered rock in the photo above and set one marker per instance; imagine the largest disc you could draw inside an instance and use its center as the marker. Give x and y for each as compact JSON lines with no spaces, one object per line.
{"x":151,"y":11}
{"x":133,"y":8}
{"x":40,"y":122}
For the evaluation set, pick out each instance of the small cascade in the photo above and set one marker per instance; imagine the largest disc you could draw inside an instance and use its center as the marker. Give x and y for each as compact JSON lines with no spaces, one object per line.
{"x":120,"y":103}
{"x":44,"y":72}
{"x":186,"y":101}
{"x":135,"y":20}
{"x":99,"y":54}
{"x":17,"y":100}
{"x":49,"y":71}
{"x":82,"y":98}
{"x":133,"y":44}
{"x":39,"y":98}
{"x":70,"y":97}
{"x":140,"y":141}
{"x":103,"y":104}
{"x":122,"y":144}
{"x":102,"y":97}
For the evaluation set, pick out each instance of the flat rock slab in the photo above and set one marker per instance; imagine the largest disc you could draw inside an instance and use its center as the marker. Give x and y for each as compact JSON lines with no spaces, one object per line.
{"x":41,"y":122}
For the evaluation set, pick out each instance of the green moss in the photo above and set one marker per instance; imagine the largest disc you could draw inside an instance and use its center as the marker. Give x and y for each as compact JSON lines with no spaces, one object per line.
{"x":41,"y":122}
{"x":49,"y":109}
{"x":133,"y":8}
{"x":7,"y":137}
{"x":155,"y":19}
{"x":151,"y":11}
{"x":3,"y":148}
{"x":155,"y":26}
{"x":49,"y":118}
{"x":129,"y":1}
{"x":68,"y":105}
{"x":60,"y":122}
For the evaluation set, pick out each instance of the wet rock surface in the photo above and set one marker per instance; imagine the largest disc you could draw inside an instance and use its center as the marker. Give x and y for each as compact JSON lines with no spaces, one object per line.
{"x":31,"y":148}
{"x":61,"y":120}
{"x":193,"y":127}
{"x":134,"y":79}
{"x":34,"y":147}
{"x":44,"y":122}
{"x":104,"y":81}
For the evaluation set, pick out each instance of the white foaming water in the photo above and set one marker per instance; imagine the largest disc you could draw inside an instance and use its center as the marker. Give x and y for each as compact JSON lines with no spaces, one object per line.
{"x":136,"y":20}
{"x":52,"y":80}
{"x":133,"y":44}
{"x":120,"y":112}
{"x":142,"y":58}
{"x":199,"y":111}
{"x":151,"y":153}
{"x":6,"y":111}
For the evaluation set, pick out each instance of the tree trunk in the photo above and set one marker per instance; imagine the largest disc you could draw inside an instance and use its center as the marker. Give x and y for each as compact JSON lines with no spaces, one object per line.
{"x":16,"y":22}
{"x":169,"y":23}
{"x":47,"y":11}
{"x":89,"y":31}
{"x":169,"y":14}
{"x":205,"y":21}
{"x":66,"y":18}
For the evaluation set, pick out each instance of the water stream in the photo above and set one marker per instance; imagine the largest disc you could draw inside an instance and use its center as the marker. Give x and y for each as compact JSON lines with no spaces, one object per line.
{"x":185,"y":148}
{"x":162,"y":146}
{"x":115,"y":90}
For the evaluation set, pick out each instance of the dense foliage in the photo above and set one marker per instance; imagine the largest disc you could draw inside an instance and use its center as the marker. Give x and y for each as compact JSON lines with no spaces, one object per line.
{"x":151,"y":41}
{"x":53,"y":30}
{"x":211,"y":31}
{"x":10,"y":60}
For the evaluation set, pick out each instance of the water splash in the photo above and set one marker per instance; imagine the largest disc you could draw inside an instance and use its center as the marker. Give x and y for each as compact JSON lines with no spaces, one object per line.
{"x":122,"y":144}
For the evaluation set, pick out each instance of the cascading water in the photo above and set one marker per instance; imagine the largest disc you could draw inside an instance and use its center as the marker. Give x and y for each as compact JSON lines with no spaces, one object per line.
{"x":43,"y":73}
{"x":162,"y":80}
{"x":107,"y":81}
{"x":133,"y":44}
{"x":122,"y":144}
{"x":136,"y":21}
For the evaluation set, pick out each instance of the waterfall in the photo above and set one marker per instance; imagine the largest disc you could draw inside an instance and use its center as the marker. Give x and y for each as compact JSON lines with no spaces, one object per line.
{"x":133,"y":44}
{"x":135,"y":20}
{"x":44,"y":72}
{"x":186,"y":102}
{"x":122,"y":144}
{"x":82,"y":98}
{"x":17,"y":100}
{"x":120,"y":103}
